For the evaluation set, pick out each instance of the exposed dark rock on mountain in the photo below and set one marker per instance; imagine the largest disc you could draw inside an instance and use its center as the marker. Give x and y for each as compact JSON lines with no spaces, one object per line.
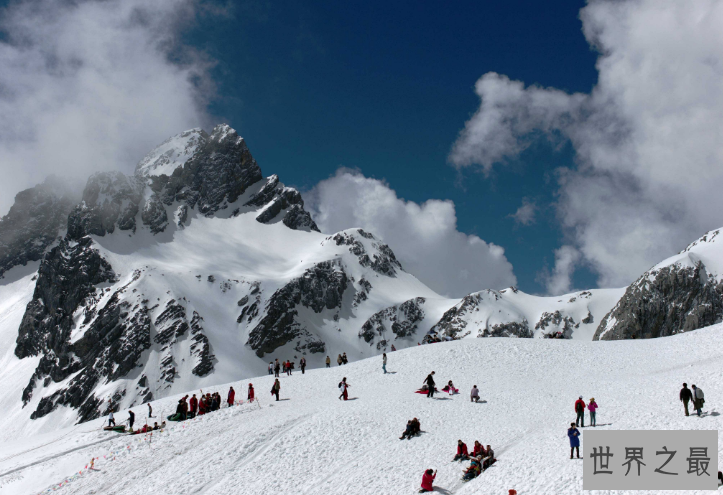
{"x":666,"y":301}
{"x":110,"y":200}
{"x":454,"y":321}
{"x":321,"y":287}
{"x":384,"y":262}
{"x":401,"y":319}
{"x":35,"y":221}
{"x":565,"y":323}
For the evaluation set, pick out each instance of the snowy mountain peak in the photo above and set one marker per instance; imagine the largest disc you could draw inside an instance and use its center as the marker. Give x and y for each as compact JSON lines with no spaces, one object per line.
{"x":172,"y":153}
{"x":223,"y":132}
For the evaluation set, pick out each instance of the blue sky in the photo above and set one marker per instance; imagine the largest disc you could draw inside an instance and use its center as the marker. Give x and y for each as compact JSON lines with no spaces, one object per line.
{"x":398,"y":91}
{"x":386,"y":87}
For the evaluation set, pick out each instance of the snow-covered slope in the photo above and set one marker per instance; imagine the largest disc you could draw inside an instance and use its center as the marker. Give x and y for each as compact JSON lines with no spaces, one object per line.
{"x":312,"y":443}
{"x":172,"y":153}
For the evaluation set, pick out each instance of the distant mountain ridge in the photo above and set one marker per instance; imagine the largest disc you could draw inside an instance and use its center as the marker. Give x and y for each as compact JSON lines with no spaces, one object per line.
{"x":198,"y":270}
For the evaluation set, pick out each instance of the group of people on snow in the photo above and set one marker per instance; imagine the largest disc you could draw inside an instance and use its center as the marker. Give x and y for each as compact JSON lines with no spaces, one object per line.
{"x":413,"y":428}
{"x":696,"y":395}
{"x":480,"y":458}
{"x":580,"y":411}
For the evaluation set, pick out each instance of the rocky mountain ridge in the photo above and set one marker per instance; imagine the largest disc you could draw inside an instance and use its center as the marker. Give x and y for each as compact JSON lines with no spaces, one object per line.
{"x":198,"y":270}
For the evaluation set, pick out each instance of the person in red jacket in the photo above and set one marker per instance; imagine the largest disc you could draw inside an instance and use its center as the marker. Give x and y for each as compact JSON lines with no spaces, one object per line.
{"x":478,"y":449}
{"x":202,"y":406}
{"x":251,"y":392}
{"x":288,"y":367}
{"x":462,"y":452}
{"x":231,"y":396}
{"x":194,"y":406}
{"x":427,"y":479}
{"x":580,"y":410}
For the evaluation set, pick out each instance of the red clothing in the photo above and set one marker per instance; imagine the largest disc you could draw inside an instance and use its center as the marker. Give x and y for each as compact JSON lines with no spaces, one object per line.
{"x":194,"y":405}
{"x":581,"y":405}
{"x":202,"y":407}
{"x":231,"y":395}
{"x":478,"y":449}
{"x":427,"y":480}
{"x":462,"y":449}
{"x":251,"y":394}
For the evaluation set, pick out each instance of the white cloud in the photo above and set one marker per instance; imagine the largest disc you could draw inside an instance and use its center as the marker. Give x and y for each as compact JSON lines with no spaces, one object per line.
{"x":648,"y":137}
{"x":424,"y":237}
{"x":525,"y":214}
{"x":93,"y":85}
{"x":560,"y":280}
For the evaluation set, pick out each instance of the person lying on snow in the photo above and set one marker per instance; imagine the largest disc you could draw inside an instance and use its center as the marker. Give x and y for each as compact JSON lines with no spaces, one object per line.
{"x":427,"y":479}
{"x":449,"y":388}
{"x":425,"y":390}
{"x":474,"y":469}
{"x":462,"y":452}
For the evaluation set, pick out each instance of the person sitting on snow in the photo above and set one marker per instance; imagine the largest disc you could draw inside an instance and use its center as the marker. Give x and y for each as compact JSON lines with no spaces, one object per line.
{"x":407,"y":431}
{"x":489,"y":459}
{"x":473,"y":470}
{"x":449,"y":388}
{"x":427,"y":480}
{"x":478,"y":450}
{"x":474,"y":394}
{"x":462,"y":452}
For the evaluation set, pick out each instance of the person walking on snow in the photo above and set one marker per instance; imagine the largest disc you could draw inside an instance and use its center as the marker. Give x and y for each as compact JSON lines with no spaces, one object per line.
{"x":474,"y":394}
{"x":430,"y":383}
{"x":277,"y":368}
{"x":150,"y":410}
{"x":574,"y":435}
{"x":427,"y":480}
{"x":343,"y":386}
{"x":580,"y":410}
{"x":288,"y":367}
{"x":271,"y":367}
{"x":131,"y":419}
{"x":698,"y":399}
{"x":275,"y":389}
{"x":592,"y":407}
{"x":338,"y":360}
{"x":328,"y":362}
{"x":462,"y":452}
{"x":384,"y":362}
{"x":111,"y":419}
{"x":231,"y":396}
{"x":302,"y":363}
{"x":685,"y":396}
{"x":250,"y":395}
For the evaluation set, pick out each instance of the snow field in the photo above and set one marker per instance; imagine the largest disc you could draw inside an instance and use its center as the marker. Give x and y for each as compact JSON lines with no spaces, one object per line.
{"x":315,"y":443}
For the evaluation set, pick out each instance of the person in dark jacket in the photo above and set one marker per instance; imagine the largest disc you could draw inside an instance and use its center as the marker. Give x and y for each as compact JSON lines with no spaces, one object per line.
{"x":580,"y":410}
{"x":685,"y":397}
{"x":302,"y":364}
{"x":277,"y":368}
{"x":462,"y":452}
{"x":574,"y":435}
{"x":231,"y":396}
{"x":150,"y":410}
{"x":275,"y":389}
{"x":131,"y":419}
{"x":407,"y":431}
{"x":430,"y":383}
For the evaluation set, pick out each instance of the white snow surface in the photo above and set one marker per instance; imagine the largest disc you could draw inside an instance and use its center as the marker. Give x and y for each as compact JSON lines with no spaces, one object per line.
{"x":311,"y":442}
{"x":171,"y":153}
{"x":708,"y":249}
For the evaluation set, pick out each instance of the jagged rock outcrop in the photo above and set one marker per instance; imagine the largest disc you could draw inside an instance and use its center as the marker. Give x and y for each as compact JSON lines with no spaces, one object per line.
{"x":383,"y":261}
{"x":35,"y":221}
{"x":461,"y":320}
{"x":274,"y":197}
{"x":665,"y":301}
{"x":320,"y":287}
{"x":110,"y":200}
{"x":560,"y":323}
{"x":401,"y":319}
